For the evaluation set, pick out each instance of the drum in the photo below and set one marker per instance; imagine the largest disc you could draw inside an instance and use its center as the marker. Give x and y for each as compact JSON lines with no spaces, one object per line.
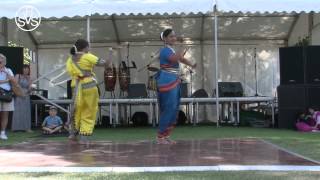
{"x":110,"y":77}
{"x":124,"y":78}
{"x":152,"y":83}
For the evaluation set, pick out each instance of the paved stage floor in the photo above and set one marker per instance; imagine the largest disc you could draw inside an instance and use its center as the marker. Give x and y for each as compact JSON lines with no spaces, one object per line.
{"x":148,"y":154}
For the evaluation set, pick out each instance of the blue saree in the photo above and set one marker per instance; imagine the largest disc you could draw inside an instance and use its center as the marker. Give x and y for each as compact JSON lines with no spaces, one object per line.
{"x":168,"y":83}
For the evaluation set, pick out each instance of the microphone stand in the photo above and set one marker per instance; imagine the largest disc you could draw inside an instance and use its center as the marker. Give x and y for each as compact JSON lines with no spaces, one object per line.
{"x":128,"y":59}
{"x":191,"y":80}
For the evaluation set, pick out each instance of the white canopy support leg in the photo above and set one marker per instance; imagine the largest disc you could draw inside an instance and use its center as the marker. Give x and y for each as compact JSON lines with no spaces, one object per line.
{"x":88,"y":29}
{"x":215,"y":10}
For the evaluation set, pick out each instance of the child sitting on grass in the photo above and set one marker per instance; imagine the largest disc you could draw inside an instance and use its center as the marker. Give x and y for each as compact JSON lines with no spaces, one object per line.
{"x":52,"y":123}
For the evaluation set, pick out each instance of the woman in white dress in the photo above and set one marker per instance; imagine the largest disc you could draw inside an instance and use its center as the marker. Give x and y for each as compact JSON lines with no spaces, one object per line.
{"x":6,"y":76}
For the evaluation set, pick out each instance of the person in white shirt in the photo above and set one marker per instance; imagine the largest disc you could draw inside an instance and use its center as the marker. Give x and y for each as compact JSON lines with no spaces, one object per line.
{"x":6,"y":75}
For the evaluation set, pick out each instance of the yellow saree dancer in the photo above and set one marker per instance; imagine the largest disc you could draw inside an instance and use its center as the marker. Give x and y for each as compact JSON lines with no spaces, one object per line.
{"x":86,"y":91}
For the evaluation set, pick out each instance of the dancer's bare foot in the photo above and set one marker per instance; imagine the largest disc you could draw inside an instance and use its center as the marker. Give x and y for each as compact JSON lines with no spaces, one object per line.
{"x":162,"y":141}
{"x":72,"y":137}
{"x":84,"y":140}
{"x":170,"y":141}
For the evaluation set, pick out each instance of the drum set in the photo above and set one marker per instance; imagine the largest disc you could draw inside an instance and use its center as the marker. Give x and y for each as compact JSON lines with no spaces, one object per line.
{"x":122,"y":74}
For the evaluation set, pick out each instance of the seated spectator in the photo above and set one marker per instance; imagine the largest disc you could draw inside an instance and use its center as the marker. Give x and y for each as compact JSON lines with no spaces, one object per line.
{"x":52,"y":123}
{"x":303,"y":123}
{"x":315,"y":116}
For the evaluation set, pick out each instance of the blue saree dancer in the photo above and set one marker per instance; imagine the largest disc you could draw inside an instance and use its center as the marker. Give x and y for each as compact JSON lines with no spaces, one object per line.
{"x":168,"y":83}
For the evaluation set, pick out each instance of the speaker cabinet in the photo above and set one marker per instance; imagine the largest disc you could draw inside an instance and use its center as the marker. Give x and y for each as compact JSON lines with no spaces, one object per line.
{"x":292,"y":99}
{"x":288,"y":117}
{"x":292,"y":65}
{"x":200,"y":93}
{"x":182,"y":118}
{"x":313,"y":96}
{"x":137,"y":91}
{"x":230,"y":89}
{"x":312,"y":64}
{"x":292,"y":96}
{"x":14,"y":57}
{"x":140,"y":119}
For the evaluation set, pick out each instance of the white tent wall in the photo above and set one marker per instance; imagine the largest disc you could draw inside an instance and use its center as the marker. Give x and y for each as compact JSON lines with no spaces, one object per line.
{"x":236,"y":64}
{"x":2,"y":41}
{"x":51,"y":57}
{"x":3,"y":32}
{"x":316,"y":30}
{"x":306,"y":25}
{"x":300,"y":29}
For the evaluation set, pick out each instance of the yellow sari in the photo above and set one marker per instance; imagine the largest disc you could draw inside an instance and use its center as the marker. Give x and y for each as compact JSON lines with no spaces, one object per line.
{"x":87,"y":97}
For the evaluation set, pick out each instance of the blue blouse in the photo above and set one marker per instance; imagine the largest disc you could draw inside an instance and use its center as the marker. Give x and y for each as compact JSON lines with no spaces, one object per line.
{"x":165,"y":54}
{"x":167,"y":80}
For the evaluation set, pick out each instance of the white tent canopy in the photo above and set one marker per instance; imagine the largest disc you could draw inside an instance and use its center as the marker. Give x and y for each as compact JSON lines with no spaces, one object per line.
{"x":141,"y":28}
{"x":142,"y":20}
{"x":262,"y":6}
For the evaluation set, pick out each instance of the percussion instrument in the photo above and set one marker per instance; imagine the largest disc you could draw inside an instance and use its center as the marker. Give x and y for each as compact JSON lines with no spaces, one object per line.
{"x":124,"y":78}
{"x":152,"y":83}
{"x":110,"y":77}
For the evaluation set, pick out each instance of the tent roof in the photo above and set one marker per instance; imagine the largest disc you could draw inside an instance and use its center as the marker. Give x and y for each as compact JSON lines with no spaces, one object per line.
{"x":140,"y":28}
{"x":142,"y":20}
{"x":269,"y":5}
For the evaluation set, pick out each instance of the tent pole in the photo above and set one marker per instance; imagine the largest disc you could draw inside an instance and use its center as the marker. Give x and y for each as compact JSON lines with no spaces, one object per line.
{"x":215,"y":10}
{"x":5,"y":30}
{"x":88,"y":29}
{"x":88,"y":19}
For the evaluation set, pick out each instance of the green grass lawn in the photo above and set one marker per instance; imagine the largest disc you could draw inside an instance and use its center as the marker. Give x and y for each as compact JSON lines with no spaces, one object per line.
{"x":306,"y":144}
